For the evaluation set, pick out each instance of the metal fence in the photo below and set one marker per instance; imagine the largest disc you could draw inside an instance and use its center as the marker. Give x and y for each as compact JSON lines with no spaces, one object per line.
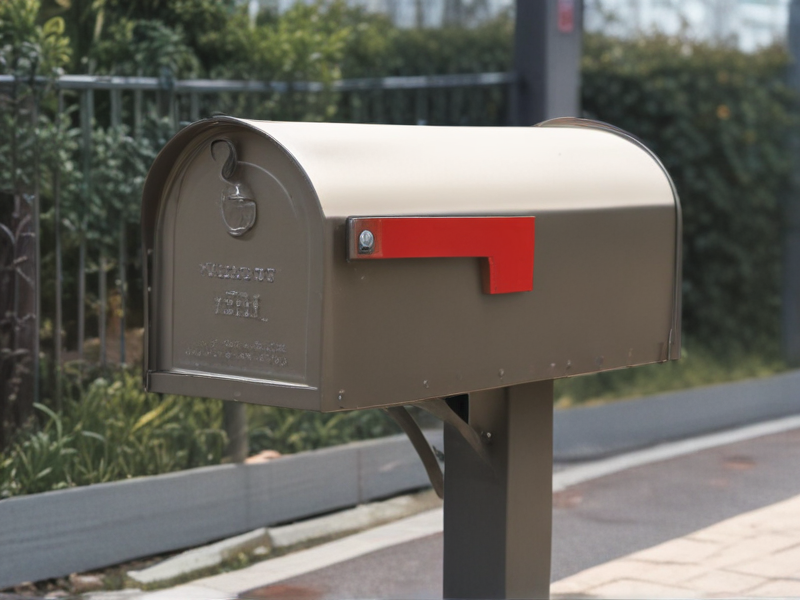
{"x":187,"y":100}
{"x":71,"y":109}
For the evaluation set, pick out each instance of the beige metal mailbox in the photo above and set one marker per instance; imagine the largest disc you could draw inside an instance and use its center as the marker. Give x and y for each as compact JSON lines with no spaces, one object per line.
{"x":257,"y":291}
{"x":331,"y":267}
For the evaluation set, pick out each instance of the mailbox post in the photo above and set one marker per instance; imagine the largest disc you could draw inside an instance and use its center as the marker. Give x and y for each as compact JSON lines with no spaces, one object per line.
{"x":497,"y":525}
{"x":337,"y":267}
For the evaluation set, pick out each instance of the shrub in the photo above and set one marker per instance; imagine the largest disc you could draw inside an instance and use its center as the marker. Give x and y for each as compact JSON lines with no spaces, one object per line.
{"x":110,"y":429}
{"x":718,"y":119}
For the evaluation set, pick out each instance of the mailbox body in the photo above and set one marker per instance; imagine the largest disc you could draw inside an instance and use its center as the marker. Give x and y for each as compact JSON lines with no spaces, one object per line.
{"x":252,"y":293}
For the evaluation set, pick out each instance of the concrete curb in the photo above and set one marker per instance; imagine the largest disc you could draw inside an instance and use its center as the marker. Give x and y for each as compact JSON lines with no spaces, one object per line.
{"x":81,"y":529}
{"x":227,"y":586}
{"x":263,"y":540}
{"x":204,"y":557}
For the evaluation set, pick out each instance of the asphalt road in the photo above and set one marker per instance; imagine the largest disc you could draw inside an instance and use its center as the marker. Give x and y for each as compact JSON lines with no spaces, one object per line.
{"x":593,"y":522}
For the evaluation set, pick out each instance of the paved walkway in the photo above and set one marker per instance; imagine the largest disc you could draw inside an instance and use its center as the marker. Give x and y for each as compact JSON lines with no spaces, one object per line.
{"x":229,"y":585}
{"x":754,"y":555}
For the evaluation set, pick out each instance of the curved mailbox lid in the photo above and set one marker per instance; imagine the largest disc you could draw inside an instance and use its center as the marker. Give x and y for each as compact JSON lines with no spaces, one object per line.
{"x":363,"y":170}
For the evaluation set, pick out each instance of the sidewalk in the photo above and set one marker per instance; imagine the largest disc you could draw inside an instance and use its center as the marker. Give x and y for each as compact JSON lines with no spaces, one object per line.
{"x":268,"y":572}
{"x":754,"y":555}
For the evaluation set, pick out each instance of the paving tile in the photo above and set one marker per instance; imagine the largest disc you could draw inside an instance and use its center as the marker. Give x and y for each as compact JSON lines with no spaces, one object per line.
{"x":669,"y":573}
{"x":777,"y":518}
{"x":779,"y":588}
{"x":721,"y":536}
{"x":568,"y":588}
{"x":723,"y":583}
{"x":785,"y":563}
{"x":631,"y":588}
{"x":611,"y":571}
{"x":682,"y":550}
{"x":749,"y":550}
{"x":752,"y":555}
{"x":788,"y":522}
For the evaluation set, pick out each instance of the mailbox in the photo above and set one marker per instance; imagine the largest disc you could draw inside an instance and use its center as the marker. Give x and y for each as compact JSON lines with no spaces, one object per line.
{"x":336,"y":266}
{"x":331,"y":267}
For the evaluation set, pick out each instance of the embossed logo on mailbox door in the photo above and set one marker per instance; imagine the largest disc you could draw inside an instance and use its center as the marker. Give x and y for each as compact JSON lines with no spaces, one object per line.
{"x":238,"y":206}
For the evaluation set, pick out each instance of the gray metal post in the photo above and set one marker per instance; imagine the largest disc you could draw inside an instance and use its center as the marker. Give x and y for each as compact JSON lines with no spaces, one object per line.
{"x":547,"y":55}
{"x":194,"y":107}
{"x":166,"y":97}
{"x":235,"y":423}
{"x":137,"y":113}
{"x":498,"y":516}
{"x":116,"y":122}
{"x":790,"y":321}
{"x":58,"y":341}
{"x":37,"y":213}
{"x":86,"y":118}
{"x":116,"y":107}
{"x":102,"y":317}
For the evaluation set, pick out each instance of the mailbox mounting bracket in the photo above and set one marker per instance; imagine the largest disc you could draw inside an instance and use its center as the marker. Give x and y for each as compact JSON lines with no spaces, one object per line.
{"x":407,"y":423}
{"x":439,"y":408}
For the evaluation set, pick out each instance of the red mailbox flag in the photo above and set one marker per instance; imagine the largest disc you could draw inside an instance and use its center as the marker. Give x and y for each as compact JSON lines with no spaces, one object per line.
{"x":506,"y":244}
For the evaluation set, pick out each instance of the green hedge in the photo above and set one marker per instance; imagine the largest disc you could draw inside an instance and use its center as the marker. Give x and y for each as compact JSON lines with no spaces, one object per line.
{"x":111,"y":429}
{"x":718,"y":118}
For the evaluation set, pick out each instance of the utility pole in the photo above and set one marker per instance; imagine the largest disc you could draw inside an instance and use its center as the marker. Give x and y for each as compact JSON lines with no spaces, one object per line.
{"x":547,"y":56}
{"x":790,"y":318}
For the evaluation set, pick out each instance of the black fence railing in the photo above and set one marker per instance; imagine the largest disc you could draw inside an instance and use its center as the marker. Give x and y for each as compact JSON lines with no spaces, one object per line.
{"x":74,"y":151}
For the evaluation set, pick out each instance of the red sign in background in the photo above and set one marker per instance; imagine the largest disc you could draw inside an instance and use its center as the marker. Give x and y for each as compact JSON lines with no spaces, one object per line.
{"x":566,"y":16}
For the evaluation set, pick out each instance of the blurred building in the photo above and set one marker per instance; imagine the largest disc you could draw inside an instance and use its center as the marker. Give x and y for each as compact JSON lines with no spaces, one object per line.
{"x":747,"y":24}
{"x":417,"y":13}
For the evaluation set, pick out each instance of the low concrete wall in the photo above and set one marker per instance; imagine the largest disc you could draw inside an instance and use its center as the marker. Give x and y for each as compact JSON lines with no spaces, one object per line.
{"x":592,"y":432}
{"x":58,"y":533}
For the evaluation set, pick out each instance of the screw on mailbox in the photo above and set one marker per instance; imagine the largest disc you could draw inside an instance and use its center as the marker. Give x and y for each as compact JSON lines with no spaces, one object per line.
{"x":366,"y":242}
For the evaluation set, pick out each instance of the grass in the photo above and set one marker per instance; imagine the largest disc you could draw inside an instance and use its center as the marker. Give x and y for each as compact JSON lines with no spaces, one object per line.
{"x":695,"y":368}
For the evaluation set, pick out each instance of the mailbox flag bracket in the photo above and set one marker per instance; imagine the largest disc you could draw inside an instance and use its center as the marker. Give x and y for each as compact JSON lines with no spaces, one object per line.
{"x":505,"y":243}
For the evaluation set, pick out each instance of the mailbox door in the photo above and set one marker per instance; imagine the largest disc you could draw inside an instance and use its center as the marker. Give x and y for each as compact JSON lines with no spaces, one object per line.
{"x":237,"y":273}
